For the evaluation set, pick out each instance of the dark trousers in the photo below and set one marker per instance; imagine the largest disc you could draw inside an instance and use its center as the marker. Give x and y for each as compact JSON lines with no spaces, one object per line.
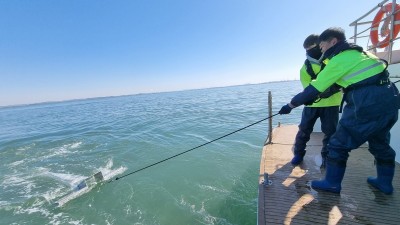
{"x":329,"y":117}
{"x":368,"y":116}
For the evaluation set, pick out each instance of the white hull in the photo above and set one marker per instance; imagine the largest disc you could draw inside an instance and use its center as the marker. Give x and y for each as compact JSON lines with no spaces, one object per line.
{"x":394,"y":70}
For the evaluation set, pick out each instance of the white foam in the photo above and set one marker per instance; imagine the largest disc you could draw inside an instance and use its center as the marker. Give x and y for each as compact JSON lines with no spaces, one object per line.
{"x":208,"y":187}
{"x":76,"y":222}
{"x":67,"y":178}
{"x":56,"y":219}
{"x":209,"y":219}
{"x":27,"y":190}
{"x":11,"y":180}
{"x":52,"y":194}
{"x":75,"y":145}
{"x":27,"y":147}
{"x":201,"y":137}
{"x":4,"y":203}
{"x":16,"y":163}
{"x":17,"y":180}
{"x":245,"y":143}
{"x":56,"y":152}
{"x":63,"y":150}
{"x":109,"y":173}
{"x":35,"y":208}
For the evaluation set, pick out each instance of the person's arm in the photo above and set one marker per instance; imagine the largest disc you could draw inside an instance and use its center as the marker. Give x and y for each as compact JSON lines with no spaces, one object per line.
{"x":309,"y":94}
{"x":327,"y":77}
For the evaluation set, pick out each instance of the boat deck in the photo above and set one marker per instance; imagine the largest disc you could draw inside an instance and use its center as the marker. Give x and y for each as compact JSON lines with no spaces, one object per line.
{"x":288,"y":199}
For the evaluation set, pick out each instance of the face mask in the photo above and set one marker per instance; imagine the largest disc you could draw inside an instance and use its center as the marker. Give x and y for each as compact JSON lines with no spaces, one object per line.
{"x":315,"y":52}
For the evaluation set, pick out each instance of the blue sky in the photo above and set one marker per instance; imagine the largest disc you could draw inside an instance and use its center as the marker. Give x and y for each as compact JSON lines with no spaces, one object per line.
{"x":54,"y":50}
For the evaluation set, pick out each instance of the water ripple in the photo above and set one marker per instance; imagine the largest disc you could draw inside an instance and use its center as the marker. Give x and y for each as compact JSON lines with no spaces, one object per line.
{"x":47,"y":148}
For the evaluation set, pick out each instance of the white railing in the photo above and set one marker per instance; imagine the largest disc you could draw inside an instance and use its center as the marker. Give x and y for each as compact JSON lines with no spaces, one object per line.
{"x":392,"y":56}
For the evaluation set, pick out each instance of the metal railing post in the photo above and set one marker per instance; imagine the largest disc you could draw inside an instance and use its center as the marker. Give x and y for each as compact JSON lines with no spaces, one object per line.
{"x":269,"y":139}
{"x":355,"y":34}
{"x":390,"y":47}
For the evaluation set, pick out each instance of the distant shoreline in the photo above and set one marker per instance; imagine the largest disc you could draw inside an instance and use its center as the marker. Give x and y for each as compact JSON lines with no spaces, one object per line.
{"x":146,"y":93}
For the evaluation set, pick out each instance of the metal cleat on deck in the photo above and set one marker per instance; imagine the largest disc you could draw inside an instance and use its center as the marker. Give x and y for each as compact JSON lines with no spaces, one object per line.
{"x":266,"y":182}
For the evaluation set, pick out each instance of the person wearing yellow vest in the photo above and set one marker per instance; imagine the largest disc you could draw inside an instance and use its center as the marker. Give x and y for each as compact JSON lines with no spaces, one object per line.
{"x":326,"y":109}
{"x":370,"y":111}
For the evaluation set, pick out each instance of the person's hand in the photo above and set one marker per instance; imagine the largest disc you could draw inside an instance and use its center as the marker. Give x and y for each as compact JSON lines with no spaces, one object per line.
{"x":286,"y":109}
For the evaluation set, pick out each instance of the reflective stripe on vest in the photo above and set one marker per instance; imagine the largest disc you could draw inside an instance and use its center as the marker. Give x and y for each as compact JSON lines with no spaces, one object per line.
{"x":361,"y":71}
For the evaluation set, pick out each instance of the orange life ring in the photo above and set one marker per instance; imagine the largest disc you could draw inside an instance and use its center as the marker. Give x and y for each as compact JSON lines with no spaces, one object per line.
{"x":375,"y":25}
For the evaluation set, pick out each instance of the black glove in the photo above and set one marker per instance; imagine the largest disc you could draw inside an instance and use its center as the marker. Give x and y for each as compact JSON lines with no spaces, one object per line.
{"x":286,"y":109}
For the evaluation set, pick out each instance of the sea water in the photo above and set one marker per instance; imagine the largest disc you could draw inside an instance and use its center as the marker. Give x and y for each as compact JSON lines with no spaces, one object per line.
{"x":47,"y":149}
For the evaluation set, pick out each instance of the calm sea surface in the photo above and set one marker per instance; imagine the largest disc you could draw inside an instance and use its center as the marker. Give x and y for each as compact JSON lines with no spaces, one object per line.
{"x":47,"y":149}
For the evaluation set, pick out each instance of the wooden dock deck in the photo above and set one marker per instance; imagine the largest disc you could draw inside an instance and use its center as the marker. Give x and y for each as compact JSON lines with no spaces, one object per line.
{"x":288,"y":199}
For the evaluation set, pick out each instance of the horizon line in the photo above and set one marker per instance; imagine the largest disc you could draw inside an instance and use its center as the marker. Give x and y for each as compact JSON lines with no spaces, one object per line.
{"x":141,"y":93}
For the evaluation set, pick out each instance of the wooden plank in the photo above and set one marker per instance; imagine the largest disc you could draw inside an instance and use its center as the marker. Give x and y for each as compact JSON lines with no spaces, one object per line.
{"x":290,"y":199}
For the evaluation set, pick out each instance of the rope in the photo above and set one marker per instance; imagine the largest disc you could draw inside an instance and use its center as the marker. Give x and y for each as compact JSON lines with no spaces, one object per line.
{"x":166,"y":159}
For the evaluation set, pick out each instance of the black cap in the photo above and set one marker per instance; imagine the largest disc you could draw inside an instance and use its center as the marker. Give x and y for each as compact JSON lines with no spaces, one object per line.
{"x":333,"y":32}
{"x":311,"y":40}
